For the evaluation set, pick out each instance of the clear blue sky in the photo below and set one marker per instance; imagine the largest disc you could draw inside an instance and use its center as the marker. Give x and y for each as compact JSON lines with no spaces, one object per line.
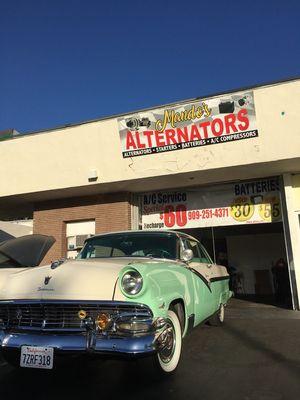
{"x":65,"y":61}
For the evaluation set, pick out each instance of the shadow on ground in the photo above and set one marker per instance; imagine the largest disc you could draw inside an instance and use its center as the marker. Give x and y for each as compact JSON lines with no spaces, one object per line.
{"x":246,"y":359}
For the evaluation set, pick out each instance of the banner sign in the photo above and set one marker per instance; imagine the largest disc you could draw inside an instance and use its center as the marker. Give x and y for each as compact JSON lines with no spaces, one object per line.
{"x":202,"y":123}
{"x":230,"y":204}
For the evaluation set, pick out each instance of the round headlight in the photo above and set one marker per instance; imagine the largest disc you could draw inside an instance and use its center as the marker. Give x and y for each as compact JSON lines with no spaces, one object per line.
{"x":132,"y":282}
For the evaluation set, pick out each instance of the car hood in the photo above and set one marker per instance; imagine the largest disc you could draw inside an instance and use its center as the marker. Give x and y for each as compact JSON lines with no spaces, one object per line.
{"x":73,"y":280}
{"x":28,"y":250}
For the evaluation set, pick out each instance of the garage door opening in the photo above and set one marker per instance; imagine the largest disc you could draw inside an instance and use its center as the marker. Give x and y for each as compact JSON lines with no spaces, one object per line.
{"x":255,"y":256}
{"x":243,"y":227}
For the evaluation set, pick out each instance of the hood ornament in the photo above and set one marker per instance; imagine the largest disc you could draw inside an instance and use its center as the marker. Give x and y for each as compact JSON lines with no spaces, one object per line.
{"x":19,"y":314}
{"x":47,"y":280}
{"x":57,"y":263}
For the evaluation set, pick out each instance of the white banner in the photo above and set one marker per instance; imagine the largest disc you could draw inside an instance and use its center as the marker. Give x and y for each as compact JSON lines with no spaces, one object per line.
{"x":230,"y":204}
{"x":200,"y":123}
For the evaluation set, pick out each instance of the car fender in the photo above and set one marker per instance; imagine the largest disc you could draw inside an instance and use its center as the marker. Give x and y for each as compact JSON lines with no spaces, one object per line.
{"x":164,"y":282}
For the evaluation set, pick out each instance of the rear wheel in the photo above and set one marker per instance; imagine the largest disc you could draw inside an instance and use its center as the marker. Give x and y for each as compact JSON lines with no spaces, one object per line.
{"x":218,"y":318}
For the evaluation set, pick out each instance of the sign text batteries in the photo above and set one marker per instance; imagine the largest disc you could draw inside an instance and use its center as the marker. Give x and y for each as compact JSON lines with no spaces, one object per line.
{"x":229,"y":204}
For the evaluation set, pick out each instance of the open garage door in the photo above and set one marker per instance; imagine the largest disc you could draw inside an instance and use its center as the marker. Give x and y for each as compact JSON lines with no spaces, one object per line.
{"x":241,"y":226}
{"x":255,"y":257}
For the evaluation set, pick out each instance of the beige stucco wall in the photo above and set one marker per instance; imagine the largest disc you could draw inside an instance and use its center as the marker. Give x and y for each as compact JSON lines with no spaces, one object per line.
{"x":63,"y":158}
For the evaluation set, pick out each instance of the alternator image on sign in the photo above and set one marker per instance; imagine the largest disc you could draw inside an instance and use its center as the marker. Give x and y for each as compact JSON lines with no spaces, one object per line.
{"x":200,"y":123}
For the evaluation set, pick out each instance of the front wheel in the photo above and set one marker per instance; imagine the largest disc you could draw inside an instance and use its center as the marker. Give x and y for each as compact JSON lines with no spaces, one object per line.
{"x":169,"y":345}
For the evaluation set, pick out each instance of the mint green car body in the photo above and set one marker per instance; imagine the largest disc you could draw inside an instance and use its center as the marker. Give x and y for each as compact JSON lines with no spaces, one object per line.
{"x":199,"y":285}
{"x":167,"y":283}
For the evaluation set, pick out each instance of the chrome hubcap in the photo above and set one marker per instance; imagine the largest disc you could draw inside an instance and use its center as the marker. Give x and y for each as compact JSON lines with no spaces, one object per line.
{"x":166,"y":343}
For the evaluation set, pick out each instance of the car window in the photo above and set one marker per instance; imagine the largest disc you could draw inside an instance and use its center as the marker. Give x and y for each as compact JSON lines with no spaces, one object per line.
{"x":192,"y":245}
{"x":130,"y":245}
{"x":204,"y":256}
{"x":104,"y":251}
{"x":200,"y":254}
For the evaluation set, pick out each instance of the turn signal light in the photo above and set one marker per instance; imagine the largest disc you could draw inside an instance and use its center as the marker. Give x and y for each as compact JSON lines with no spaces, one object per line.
{"x":82,"y":314}
{"x":102,"y":321}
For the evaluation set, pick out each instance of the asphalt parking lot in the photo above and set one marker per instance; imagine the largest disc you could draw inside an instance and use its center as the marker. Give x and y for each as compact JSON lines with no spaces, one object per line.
{"x":254,"y":356}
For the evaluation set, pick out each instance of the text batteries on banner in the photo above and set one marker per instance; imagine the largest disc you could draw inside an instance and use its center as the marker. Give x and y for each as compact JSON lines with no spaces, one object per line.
{"x":221,"y":205}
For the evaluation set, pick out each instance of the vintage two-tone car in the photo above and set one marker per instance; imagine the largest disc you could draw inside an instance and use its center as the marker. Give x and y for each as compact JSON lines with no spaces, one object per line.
{"x":133,"y":293}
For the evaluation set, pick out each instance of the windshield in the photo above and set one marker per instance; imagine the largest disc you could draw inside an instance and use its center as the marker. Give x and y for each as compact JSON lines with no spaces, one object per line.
{"x":130,"y":245}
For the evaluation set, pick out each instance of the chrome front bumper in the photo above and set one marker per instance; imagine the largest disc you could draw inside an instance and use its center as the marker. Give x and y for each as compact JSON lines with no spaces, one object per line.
{"x":31,"y":323}
{"x":81,"y":343}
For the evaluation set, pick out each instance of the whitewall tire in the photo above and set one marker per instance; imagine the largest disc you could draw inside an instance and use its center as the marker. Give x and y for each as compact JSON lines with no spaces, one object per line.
{"x":169,"y":345}
{"x":221,"y":313}
{"x":219,"y":317}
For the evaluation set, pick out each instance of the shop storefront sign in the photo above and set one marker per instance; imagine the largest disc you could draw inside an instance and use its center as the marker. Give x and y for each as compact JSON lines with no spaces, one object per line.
{"x":213,"y":121}
{"x":230,"y":204}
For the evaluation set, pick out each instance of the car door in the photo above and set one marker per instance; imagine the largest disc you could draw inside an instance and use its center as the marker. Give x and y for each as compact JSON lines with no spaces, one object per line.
{"x":200,"y":267}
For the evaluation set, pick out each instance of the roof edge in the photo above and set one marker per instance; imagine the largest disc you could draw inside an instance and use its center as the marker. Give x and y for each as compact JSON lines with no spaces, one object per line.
{"x":215,"y":94}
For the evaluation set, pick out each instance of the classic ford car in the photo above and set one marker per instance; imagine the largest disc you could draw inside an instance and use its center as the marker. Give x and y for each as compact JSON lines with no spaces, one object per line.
{"x":135,"y":293}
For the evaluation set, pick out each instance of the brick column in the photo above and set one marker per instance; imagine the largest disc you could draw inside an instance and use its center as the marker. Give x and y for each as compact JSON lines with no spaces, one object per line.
{"x":111,"y":212}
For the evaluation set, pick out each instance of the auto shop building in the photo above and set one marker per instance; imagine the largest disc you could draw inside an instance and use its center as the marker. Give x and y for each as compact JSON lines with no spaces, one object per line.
{"x":225,"y":168}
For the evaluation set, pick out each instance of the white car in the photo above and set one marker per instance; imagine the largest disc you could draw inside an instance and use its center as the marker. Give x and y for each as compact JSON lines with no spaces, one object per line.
{"x":127,"y":293}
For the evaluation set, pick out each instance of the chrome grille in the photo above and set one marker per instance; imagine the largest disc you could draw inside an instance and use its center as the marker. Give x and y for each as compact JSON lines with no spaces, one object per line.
{"x":63,"y":316}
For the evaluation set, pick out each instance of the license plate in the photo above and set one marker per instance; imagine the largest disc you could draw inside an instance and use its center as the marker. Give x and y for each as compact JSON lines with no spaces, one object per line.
{"x":37,"y":357}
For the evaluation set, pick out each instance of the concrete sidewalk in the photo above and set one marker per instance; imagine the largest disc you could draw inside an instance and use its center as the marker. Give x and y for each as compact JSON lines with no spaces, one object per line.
{"x":243,"y":309}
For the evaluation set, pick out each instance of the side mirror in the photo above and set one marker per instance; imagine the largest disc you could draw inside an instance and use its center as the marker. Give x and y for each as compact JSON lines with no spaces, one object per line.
{"x":187,"y":255}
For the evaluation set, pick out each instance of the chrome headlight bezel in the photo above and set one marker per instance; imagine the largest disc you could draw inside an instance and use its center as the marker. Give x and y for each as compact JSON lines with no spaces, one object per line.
{"x":132,"y":282}
{"x":135,"y":325}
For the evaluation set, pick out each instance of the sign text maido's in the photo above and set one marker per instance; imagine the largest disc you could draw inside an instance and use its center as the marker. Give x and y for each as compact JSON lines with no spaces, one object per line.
{"x":213,"y":121}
